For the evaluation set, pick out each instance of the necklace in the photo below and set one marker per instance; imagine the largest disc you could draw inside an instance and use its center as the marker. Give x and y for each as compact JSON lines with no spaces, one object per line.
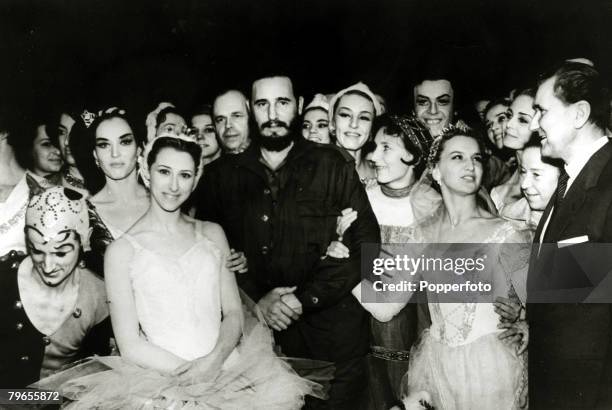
{"x":72,"y":180}
{"x":396,"y":192}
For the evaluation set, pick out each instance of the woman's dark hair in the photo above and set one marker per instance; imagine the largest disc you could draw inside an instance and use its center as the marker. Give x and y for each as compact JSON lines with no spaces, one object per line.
{"x":390,"y":127}
{"x":536,"y":142}
{"x":83,"y":143}
{"x":191,"y":148}
{"x":201,"y":109}
{"x":161,"y":116}
{"x":23,"y":134}
{"x":496,"y":101}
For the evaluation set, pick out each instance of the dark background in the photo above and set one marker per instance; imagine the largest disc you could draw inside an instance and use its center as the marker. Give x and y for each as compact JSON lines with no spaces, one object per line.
{"x":135,"y":53}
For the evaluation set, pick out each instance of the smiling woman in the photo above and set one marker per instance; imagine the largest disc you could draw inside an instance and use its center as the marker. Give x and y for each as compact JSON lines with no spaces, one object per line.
{"x":351,"y":115}
{"x":176,"y":310}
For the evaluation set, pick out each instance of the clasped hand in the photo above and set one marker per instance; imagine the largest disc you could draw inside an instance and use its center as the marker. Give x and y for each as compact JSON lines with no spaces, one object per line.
{"x":200,"y":370}
{"x":280,"y":307}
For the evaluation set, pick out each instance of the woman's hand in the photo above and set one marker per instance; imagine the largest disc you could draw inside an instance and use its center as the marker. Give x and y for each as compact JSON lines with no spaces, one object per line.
{"x":201,"y":370}
{"x":508,"y":309}
{"x":516,"y":334}
{"x":345,"y":221}
{"x":337,"y":250}
{"x":237,"y":262}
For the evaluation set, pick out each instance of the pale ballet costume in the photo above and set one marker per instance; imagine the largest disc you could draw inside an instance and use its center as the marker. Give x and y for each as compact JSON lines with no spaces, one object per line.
{"x":179,"y":309}
{"x":459,"y":360}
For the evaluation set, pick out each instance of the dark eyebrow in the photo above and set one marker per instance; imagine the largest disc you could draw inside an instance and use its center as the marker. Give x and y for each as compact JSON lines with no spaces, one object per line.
{"x":537,"y":107}
{"x":261,"y":100}
{"x":127,"y":134}
{"x":443,"y":96}
{"x":524,"y":113}
{"x":66,"y":244}
{"x":422,"y":96}
{"x":284,"y":99}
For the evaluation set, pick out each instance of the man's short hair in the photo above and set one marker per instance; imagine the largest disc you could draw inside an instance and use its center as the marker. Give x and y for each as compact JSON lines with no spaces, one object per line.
{"x":575,"y":81}
{"x":273,"y":74}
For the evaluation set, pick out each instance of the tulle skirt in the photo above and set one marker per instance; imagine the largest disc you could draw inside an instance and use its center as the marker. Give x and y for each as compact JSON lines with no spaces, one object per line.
{"x":258,"y":379}
{"x":484,"y":374}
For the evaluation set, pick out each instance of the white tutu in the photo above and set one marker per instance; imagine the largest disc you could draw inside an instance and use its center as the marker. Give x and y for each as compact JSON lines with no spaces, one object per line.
{"x":258,"y":380}
{"x":484,"y":374}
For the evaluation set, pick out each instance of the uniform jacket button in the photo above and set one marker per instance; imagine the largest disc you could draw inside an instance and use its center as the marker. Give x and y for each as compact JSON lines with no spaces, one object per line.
{"x":19,"y":326}
{"x":315,"y":300}
{"x":25,"y":358}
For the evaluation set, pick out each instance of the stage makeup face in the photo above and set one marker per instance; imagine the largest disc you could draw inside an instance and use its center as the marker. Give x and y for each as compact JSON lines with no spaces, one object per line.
{"x":55,"y":258}
{"x":433,"y":104}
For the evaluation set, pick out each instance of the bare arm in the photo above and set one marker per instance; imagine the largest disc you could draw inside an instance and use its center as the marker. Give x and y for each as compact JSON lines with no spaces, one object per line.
{"x":382,"y":311}
{"x":133,"y":346}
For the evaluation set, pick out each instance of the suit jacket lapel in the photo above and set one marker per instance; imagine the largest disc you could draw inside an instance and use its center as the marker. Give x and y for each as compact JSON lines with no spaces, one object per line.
{"x":575,"y":196}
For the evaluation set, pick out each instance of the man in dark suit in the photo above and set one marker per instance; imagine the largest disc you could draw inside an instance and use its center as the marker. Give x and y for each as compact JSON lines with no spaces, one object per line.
{"x":570,"y":351}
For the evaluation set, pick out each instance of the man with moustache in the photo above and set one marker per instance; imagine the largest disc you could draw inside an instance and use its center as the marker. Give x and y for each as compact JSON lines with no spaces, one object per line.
{"x":570,"y":343}
{"x":279,"y":202}
{"x":231,"y":119}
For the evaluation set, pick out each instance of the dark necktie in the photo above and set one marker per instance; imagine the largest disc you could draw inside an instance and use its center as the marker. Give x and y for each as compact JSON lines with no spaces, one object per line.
{"x":561,"y":188}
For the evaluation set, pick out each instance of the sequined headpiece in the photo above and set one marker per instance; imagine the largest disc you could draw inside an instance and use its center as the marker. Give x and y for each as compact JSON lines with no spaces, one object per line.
{"x":143,"y":168}
{"x":416,"y":132}
{"x":459,"y":129}
{"x":55,"y":211}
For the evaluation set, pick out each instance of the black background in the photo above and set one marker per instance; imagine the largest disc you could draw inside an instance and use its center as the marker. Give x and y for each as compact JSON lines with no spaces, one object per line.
{"x":135,"y":53}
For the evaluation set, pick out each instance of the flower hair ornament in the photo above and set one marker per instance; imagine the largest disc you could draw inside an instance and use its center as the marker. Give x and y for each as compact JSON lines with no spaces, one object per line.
{"x":143,"y":167}
{"x":88,"y":118}
{"x":151,"y":121}
{"x":57,"y":211}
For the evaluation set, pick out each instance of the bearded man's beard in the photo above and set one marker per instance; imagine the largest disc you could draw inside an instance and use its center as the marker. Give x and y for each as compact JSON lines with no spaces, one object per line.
{"x":276,"y":142}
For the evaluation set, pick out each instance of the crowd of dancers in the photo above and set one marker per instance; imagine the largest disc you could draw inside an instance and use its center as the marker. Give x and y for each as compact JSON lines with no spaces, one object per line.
{"x":218,"y":260}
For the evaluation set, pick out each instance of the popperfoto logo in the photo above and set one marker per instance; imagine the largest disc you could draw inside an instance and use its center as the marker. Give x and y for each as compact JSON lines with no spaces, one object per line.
{"x":464,"y":273}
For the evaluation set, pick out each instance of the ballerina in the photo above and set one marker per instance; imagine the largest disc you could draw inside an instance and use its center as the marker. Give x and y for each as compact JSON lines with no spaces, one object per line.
{"x":176,"y":310}
{"x":460,"y":362}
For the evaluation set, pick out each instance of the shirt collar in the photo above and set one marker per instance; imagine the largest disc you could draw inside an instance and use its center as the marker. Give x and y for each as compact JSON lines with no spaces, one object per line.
{"x":582,"y":156}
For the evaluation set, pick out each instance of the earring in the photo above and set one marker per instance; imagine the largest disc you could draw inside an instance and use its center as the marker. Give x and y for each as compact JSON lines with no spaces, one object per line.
{"x":82,"y":264}
{"x":97,"y":163}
